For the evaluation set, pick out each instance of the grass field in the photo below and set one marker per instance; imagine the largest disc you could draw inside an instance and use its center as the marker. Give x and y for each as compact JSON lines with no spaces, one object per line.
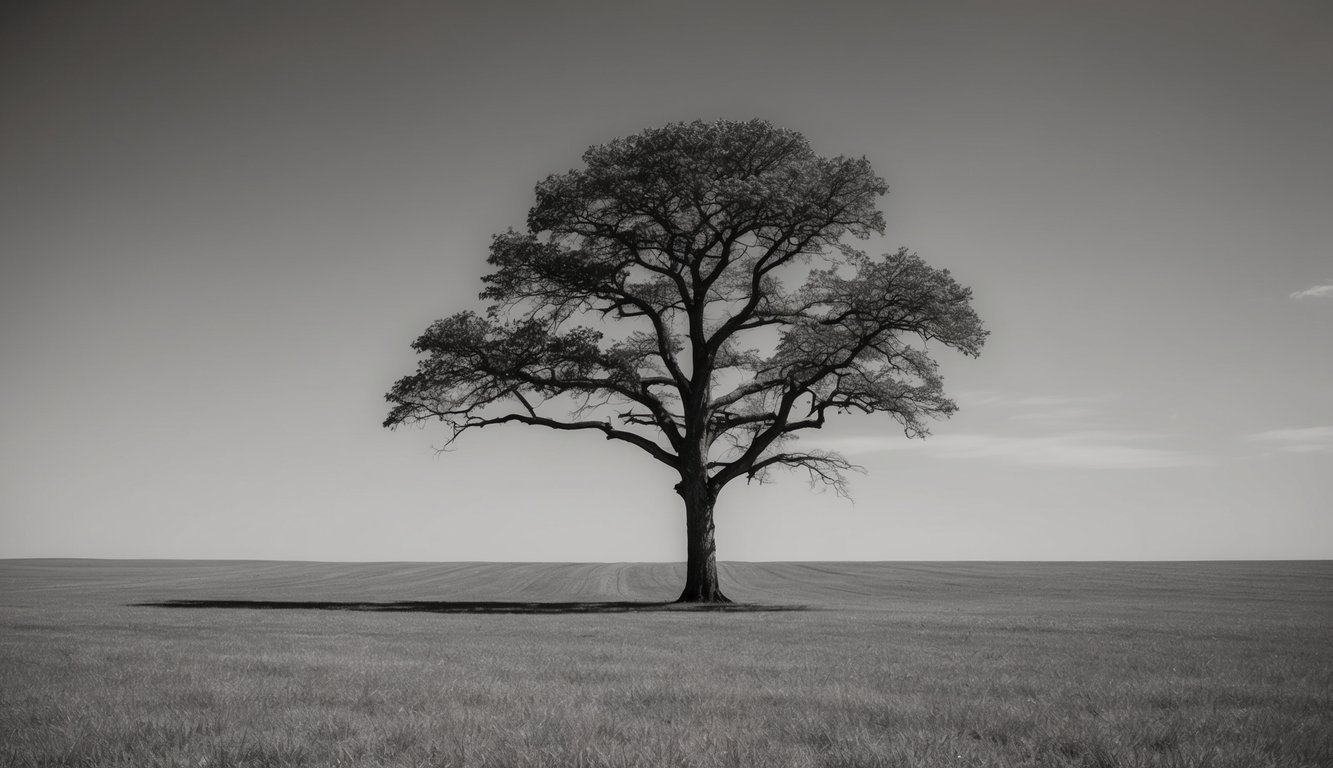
{"x":899,"y":664}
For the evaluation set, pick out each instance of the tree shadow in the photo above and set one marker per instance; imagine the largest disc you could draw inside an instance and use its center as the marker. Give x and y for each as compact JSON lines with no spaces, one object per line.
{"x":480,"y":606}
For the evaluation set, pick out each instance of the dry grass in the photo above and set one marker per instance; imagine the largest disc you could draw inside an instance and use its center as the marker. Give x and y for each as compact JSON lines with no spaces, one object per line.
{"x":1205,"y":664}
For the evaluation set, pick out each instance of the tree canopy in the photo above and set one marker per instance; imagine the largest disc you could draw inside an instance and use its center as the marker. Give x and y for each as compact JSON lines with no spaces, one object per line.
{"x":648,"y":300}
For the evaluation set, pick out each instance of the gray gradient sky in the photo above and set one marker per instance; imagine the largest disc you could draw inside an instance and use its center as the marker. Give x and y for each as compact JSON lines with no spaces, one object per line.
{"x":221,"y":225}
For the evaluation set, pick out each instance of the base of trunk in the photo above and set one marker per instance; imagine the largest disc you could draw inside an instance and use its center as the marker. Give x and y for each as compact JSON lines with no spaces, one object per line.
{"x":697,"y":595}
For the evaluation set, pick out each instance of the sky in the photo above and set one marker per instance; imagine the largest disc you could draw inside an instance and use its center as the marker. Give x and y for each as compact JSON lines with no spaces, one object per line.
{"x":222,"y":225}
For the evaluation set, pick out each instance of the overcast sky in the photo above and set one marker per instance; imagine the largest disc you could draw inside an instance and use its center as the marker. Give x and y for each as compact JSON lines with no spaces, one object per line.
{"x":222,"y":224}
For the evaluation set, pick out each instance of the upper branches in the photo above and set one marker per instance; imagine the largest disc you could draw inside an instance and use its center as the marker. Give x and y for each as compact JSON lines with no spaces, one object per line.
{"x":689,"y":201}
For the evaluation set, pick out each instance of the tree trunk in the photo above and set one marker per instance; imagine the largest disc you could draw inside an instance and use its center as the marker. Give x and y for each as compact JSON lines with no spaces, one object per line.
{"x":701,"y":564}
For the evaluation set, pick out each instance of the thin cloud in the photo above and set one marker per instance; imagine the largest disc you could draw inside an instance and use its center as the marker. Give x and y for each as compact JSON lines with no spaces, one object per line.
{"x":1314,"y":292}
{"x":1068,"y":410}
{"x":1094,"y":449}
{"x":992,"y":397}
{"x":1059,"y":415}
{"x":1297,"y":440}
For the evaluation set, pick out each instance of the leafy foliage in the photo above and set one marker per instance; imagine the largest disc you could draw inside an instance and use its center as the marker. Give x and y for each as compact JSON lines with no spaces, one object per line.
{"x":647,"y":300}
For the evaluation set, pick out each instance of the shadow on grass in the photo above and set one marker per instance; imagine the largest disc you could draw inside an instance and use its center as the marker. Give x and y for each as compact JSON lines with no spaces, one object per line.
{"x":492,"y":606}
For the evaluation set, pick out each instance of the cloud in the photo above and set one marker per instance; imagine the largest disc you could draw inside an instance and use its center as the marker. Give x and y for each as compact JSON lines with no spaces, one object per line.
{"x":1067,"y":410}
{"x":1074,"y":434}
{"x":991,"y":397}
{"x":1059,"y":414}
{"x":1094,"y":449}
{"x":1297,"y":440}
{"x":1314,"y":292}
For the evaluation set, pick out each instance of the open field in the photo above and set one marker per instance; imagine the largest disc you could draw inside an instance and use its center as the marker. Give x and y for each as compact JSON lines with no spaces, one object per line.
{"x":910,"y":664}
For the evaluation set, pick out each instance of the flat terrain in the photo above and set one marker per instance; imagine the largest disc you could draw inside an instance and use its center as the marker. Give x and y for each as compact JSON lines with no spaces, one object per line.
{"x":156,"y":663}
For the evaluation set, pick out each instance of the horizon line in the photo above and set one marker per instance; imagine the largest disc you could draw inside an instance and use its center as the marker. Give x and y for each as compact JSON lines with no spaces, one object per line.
{"x":653,"y":562}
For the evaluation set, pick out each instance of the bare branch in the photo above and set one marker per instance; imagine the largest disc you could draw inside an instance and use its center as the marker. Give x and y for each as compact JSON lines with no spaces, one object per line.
{"x":823,"y":468}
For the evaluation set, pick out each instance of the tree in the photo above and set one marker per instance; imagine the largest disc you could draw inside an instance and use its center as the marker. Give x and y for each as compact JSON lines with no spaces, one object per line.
{"x":645,"y":302}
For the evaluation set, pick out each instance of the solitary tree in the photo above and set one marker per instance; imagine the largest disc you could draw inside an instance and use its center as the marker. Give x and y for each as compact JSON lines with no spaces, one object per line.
{"x":686,"y":236}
